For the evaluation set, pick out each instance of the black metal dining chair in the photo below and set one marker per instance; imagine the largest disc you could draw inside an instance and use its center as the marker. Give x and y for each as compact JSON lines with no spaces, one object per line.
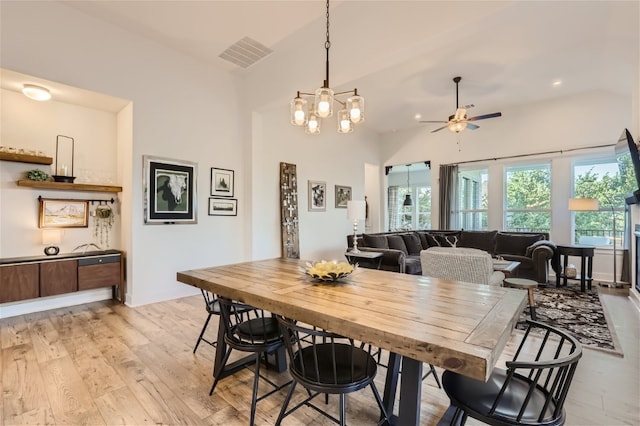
{"x":213,"y":308}
{"x":530,"y":391}
{"x":249,"y":329}
{"x":326,"y":363}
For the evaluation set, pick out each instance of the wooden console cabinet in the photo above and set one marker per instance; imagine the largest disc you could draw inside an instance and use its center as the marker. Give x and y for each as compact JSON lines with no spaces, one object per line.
{"x":23,"y":278}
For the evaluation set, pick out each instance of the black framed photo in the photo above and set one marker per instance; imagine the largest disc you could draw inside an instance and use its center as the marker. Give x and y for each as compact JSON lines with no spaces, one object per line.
{"x":343,"y":194}
{"x":317,"y":196}
{"x":170,"y":190}
{"x":222,"y":182}
{"x":219,"y":206}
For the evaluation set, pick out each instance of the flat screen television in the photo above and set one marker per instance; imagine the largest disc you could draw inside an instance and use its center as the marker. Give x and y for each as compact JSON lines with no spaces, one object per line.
{"x":627,"y":149}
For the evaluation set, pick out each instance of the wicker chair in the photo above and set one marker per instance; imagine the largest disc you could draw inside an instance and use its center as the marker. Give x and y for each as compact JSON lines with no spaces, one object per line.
{"x":460,"y":264}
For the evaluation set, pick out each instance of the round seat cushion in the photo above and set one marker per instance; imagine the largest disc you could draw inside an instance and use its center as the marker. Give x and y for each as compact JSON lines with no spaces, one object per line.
{"x":478,"y":397}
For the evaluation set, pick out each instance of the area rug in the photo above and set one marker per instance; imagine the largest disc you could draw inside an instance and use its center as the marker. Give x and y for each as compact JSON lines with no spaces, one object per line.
{"x":580,"y":314}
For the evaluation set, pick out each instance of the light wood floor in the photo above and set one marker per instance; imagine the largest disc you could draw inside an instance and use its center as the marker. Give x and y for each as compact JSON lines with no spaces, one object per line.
{"x":109,"y":364}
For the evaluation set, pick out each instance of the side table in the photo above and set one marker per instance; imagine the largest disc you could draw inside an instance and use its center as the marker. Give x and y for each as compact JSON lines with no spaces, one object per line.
{"x":372,"y":258}
{"x":585,"y":253}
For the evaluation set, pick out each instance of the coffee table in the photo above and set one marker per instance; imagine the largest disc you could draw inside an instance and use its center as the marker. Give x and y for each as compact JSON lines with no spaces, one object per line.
{"x":507,"y":267}
{"x":373,"y":258}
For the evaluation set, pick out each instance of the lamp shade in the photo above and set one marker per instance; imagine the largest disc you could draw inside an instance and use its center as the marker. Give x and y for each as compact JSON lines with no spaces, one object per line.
{"x":356,"y":210}
{"x":51,"y":236}
{"x":583,"y":204}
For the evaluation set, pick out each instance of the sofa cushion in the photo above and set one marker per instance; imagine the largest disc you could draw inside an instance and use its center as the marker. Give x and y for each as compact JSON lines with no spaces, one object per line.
{"x":375,"y":241}
{"x":515,"y":243}
{"x":397,"y":242}
{"x":413,"y":243}
{"x":483,"y":240}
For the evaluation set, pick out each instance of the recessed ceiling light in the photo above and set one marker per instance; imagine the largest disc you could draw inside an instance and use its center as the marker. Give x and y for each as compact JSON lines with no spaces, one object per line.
{"x":557,"y":83}
{"x":37,"y":93}
{"x":418,"y":116}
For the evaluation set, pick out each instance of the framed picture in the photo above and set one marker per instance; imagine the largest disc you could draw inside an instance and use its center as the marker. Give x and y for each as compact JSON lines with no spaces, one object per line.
{"x":219,"y":206}
{"x":56,"y":213}
{"x":222,"y":182}
{"x":343,"y":194}
{"x":317,"y":196}
{"x":170,"y":191}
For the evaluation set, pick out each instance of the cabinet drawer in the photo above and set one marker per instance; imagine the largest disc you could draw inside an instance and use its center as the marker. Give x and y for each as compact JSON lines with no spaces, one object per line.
{"x":99,"y":260}
{"x":96,"y":275}
{"x":19,"y":282}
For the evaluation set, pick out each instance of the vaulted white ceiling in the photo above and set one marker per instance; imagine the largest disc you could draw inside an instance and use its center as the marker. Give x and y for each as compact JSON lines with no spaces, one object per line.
{"x":402,"y":55}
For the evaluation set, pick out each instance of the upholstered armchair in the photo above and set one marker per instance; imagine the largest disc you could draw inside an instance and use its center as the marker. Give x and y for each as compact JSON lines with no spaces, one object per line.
{"x":460,"y":264}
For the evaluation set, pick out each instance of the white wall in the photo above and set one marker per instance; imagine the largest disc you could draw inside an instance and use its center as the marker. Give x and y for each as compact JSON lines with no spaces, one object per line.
{"x":182,"y":109}
{"x":32,"y":125}
{"x":331,"y":157}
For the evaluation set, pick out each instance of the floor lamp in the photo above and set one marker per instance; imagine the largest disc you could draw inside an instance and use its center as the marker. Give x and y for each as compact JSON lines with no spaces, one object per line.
{"x":356,"y":210}
{"x":592,"y":204}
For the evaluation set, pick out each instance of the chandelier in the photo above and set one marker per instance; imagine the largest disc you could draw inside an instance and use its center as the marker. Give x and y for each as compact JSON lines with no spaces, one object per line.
{"x":351,"y":110}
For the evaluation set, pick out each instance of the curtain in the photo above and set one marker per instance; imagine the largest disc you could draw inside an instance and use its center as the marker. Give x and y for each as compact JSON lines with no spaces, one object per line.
{"x":448,"y":196}
{"x":392,"y":197}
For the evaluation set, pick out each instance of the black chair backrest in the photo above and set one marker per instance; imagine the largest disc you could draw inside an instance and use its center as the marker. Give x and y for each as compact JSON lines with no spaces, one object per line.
{"x":211,"y":302}
{"x":547,"y":362}
{"x":326,"y":361}
{"x":248,"y":326}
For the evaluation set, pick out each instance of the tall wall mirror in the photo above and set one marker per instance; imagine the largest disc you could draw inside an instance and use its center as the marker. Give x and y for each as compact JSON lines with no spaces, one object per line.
{"x":408,"y":196}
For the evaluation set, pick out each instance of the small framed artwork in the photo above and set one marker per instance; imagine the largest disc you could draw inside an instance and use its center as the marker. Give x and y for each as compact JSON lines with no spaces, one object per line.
{"x":343,"y":194}
{"x":219,"y":206}
{"x":56,"y":213}
{"x":222,"y":182}
{"x":317,"y":196}
{"x":169,"y":190}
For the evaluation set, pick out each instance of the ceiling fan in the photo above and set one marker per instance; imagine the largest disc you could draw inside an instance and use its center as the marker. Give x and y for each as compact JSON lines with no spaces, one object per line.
{"x":459,"y":121}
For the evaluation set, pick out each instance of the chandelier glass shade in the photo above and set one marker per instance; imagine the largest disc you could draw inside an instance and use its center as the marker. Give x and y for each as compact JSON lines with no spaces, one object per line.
{"x":350,"y":111}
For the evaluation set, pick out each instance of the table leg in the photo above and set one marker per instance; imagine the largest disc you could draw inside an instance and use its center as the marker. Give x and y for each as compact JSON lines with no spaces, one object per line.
{"x":590,"y":271}
{"x":410,"y":392}
{"x":391,"y":382}
{"x":583,"y":273}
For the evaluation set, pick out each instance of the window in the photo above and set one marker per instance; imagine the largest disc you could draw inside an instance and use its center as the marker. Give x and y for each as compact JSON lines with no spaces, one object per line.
{"x":528,"y":198}
{"x":602,"y":179}
{"x":415,"y":216}
{"x":473,"y":199}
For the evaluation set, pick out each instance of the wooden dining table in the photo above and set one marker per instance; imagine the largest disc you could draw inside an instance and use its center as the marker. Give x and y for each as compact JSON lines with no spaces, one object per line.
{"x":457,"y":326}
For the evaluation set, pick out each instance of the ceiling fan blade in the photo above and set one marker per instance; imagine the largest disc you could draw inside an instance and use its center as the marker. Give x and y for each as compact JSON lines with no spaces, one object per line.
{"x":483,"y":117}
{"x":439,"y":128}
{"x":472,"y":126}
{"x":439,"y":121}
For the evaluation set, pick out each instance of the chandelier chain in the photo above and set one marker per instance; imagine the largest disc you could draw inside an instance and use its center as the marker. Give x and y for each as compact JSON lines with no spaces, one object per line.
{"x":327,"y":44}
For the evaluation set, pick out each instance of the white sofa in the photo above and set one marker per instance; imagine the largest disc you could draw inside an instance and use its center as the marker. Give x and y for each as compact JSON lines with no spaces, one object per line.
{"x":460,"y":264}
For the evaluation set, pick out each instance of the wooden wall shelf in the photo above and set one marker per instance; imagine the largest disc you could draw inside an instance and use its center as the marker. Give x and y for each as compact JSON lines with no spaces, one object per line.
{"x":69,"y":186}
{"x":25,"y":158}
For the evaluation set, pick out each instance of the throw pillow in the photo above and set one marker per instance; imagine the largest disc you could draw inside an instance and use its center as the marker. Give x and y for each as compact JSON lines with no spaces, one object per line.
{"x":447,"y":240}
{"x":515,"y":243}
{"x":412,"y":241}
{"x":483,"y":240}
{"x":375,"y":241}
{"x":397,"y":242}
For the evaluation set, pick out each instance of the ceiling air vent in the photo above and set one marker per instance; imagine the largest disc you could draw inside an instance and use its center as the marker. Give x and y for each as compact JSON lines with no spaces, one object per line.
{"x":245,"y":52}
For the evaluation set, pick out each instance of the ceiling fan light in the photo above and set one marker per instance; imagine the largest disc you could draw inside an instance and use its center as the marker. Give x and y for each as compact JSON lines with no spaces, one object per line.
{"x":457,"y":127}
{"x":344,"y":122}
{"x":324,"y":102}
{"x":298,"y":111}
{"x":37,"y":93}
